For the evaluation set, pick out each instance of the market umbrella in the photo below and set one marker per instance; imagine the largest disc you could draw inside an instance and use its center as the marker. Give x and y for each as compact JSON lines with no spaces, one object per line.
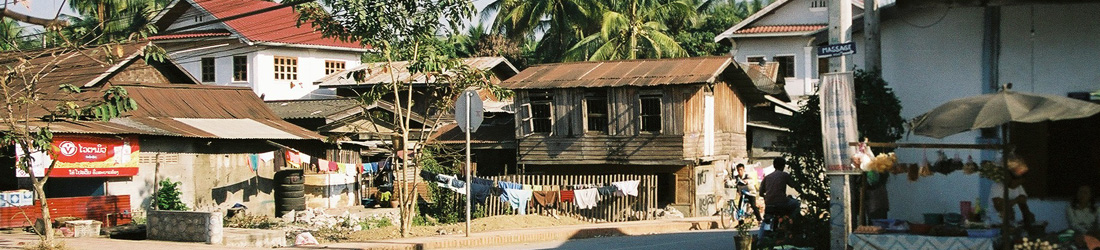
{"x":992,"y":110}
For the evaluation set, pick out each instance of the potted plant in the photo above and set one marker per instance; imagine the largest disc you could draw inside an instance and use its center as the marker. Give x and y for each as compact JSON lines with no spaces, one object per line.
{"x":744,"y":234}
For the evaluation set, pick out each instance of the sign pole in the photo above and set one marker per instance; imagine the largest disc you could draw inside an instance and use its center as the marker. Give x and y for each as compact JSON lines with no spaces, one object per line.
{"x":469,"y":184}
{"x":840,"y":221}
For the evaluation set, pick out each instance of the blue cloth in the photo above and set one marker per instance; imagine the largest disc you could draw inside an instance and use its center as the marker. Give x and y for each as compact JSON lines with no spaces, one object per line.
{"x":480,"y":192}
{"x":509,"y":185}
{"x":458,"y":183}
{"x":482,"y":181}
{"x":518,"y":198}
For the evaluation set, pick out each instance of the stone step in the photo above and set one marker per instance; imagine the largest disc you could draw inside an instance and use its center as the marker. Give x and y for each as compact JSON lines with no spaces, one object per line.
{"x":239,"y":237}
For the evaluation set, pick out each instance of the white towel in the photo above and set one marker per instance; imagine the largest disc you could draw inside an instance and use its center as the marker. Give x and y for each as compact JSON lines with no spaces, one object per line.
{"x":586,"y":198}
{"x":626,"y":188}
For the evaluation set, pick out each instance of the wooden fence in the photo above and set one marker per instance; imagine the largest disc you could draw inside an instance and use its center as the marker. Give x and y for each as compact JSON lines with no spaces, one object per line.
{"x":609,"y":209}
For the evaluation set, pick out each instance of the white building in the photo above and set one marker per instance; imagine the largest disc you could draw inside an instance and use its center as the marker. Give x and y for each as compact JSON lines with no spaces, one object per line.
{"x":265,"y":51}
{"x":784,"y":32}
{"x":953,"y":49}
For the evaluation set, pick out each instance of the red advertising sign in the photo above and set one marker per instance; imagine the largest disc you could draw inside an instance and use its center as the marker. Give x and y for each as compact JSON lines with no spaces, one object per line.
{"x":86,"y":156}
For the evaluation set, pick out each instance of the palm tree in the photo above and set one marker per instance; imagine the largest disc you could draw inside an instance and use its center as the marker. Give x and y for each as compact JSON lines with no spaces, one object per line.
{"x":634,"y":29}
{"x":561,"y":23}
{"x":106,"y":21}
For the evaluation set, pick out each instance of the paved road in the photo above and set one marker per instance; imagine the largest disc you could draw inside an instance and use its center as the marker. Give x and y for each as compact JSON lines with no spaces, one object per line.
{"x":710,"y":239}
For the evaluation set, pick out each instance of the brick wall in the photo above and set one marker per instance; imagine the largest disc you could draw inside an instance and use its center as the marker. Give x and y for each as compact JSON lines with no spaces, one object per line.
{"x":112,"y":210}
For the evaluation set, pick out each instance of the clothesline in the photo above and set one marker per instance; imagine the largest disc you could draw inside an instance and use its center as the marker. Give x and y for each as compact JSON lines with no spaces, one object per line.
{"x":518,"y":195}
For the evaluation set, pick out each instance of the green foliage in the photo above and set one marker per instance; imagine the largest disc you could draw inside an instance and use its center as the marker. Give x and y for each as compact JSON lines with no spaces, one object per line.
{"x":168,"y":196}
{"x":714,"y":18}
{"x":447,"y":206}
{"x":245,"y":220}
{"x":372,"y":223}
{"x":634,"y":29}
{"x":114,"y":102}
{"x":111,"y":21}
{"x":561,"y":23}
{"x":879,"y":118}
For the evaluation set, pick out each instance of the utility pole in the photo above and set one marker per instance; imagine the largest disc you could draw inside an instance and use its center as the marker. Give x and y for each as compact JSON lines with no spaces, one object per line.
{"x":840,"y":221}
{"x":872,"y":44}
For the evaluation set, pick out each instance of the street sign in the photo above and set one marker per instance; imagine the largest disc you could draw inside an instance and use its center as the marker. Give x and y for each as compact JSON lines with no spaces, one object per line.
{"x":833,"y":50}
{"x":469,"y":102}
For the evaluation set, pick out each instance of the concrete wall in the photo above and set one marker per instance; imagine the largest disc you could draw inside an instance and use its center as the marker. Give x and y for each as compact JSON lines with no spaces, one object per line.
{"x":330,"y":190}
{"x":185,"y":226}
{"x":261,"y":71}
{"x":209,"y":180}
{"x":935,"y":55}
{"x":311,"y":66}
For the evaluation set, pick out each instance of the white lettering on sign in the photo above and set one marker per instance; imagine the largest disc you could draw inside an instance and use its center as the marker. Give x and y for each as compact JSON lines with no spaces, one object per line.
{"x":98,"y":149}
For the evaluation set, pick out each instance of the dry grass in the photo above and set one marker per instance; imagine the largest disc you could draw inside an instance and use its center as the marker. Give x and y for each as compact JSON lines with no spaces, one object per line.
{"x":495,"y":223}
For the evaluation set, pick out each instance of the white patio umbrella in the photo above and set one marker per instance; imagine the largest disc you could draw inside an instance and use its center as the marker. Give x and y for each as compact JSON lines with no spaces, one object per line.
{"x":992,"y":110}
{"x":998,"y":109}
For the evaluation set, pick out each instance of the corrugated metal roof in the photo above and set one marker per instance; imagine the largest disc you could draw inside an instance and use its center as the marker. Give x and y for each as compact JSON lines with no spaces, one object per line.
{"x":303,"y":109}
{"x":237,"y":128}
{"x":276,"y":27}
{"x":158,"y":104}
{"x":780,"y":29}
{"x":648,"y":72}
{"x":377,"y":74}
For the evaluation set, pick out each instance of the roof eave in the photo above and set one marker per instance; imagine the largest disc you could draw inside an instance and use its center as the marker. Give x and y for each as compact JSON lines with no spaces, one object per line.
{"x":308,"y":46}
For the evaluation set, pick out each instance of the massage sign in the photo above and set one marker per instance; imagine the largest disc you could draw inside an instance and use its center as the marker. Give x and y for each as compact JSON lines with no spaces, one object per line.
{"x":86,"y":156}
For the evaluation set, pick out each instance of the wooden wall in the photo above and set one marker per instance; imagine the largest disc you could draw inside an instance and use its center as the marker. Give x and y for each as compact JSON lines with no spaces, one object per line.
{"x":680,"y":139}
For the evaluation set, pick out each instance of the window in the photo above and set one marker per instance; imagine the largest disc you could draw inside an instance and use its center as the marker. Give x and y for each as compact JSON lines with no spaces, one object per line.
{"x":540,"y":110}
{"x":815,"y":4}
{"x":207,"y":69}
{"x":595,"y":110}
{"x":286,"y":68}
{"x":240,"y":68}
{"x":822,"y":66}
{"x":333,"y":66}
{"x":756,"y":59}
{"x":650,"y":113}
{"x":786,"y":65}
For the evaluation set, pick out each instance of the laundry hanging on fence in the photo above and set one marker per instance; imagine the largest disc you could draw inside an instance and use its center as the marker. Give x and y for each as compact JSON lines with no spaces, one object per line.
{"x":292,"y":159}
{"x":322,"y":165}
{"x":626,"y":188}
{"x":333,"y":166}
{"x":509,"y":185}
{"x":566,"y":196}
{"x":482,"y":181}
{"x":586,"y":198}
{"x":607,"y":190}
{"x":517,"y":198}
{"x":545,"y":198}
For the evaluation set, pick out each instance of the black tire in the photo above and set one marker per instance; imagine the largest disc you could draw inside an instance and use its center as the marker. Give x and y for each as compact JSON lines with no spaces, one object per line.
{"x":288,"y":207}
{"x":290,"y":177}
{"x":291,"y":188}
{"x":292,"y":194}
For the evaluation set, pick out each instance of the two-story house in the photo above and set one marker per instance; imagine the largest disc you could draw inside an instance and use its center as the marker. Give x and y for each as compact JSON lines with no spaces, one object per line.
{"x":252,"y":43}
{"x":680,"y":119}
{"x":784,"y":32}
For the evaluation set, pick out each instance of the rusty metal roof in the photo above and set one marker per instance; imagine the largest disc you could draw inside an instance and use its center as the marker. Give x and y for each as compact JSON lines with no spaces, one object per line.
{"x":304,"y":109}
{"x":377,"y":74}
{"x":647,"y":72}
{"x":163,"y":109}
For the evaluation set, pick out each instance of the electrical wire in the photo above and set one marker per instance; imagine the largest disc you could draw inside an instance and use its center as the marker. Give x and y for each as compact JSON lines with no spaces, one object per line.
{"x":945,"y":11}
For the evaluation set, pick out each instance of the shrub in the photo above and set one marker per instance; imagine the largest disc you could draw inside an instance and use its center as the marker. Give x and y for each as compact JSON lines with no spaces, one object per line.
{"x":168,"y":196}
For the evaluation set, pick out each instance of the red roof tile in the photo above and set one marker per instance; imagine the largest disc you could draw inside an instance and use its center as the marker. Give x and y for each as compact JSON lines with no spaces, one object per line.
{"x":188,"y":35}
{"x":279,"y":26}
{"x":780,"y":28}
